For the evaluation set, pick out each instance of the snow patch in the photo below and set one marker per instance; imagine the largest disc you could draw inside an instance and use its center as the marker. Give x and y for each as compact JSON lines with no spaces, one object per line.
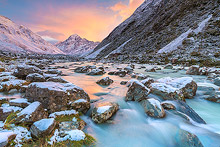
{"x":66,"y":112}
{"x":44,"y":124}
{"x":102,"y":109}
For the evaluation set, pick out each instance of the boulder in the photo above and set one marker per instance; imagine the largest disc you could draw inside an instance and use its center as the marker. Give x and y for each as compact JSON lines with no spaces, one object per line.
{"x":168,"y":66}
{"x":12,"y":84}
{"x":142,"y":76}
{"x":151,"y":70}
{"x":177,"y":88}
{"x":55,"y":96}
{"x":72,"y":125}
{"x":147,"y":82}
{"x":153,"y":108}
{"x":54,"y":71}
{"x":19,"y":102}
{"x":187,"y":139}
{"x":43,"y":127}
{"x":96,"y":72}
{"x":217,"y":81}
{"x":80,"y":105}
{"x":165,"y":91}
{"x":35,"y":77}
{"x":168,"y":106}
{"x":123,"y":82}
{"x":23,"y":70}
{"x":187,"y":110}
{"x":105,"y":81}
{"x":57,"y":79}
{"x":104,"y":111}
{"x":84,"y":69}
{"x":6,"y":137}
{"x":193,"y":70}
{"x":31,"y":114}
{"x":136,"y":91}
{"x":4,"y":114}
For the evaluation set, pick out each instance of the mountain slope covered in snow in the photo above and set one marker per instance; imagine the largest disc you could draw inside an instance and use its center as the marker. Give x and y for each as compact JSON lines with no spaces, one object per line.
{"x":75,"y":45}
{"x":165,"y":28}
{"x":19,"y":39}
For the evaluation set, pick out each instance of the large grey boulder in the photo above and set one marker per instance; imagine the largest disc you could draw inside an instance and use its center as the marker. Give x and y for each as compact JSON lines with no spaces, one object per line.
{"x":217,"y":81}
{"x":105,"y":81}
{"x":136,"y":91}
{"x":35,"y":77}
{"x":153,"y":108}
{"x":31,"y":113}
{"x":23,"y":70}
{"x":6,"y":137}
{"x":43,"y":127}
{"x":104,"y":111}
{"x":177,"y":88}
{"x":193,"y":70}
{"x":187,"y":139}
{"x":55,"y":96}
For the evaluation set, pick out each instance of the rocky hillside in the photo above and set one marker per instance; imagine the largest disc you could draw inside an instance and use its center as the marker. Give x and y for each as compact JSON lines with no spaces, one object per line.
{"x":179,"y":29}
{"x":75,"y":45}
{"x":19,"y":39}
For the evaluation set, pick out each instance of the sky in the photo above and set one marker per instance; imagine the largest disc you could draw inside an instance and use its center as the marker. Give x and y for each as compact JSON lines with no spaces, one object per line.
{"x":58,"y":19}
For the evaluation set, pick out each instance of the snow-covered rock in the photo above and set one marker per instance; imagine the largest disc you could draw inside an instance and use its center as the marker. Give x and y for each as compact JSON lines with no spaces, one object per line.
{"x":73,"y":135}
{"x":19,"y":39}
{"x":80,"y":105}
{"x":105,"y":81}
{"x":96,"y":72}
{"x":35,"y":77}
{"x":193,"y":70}
{"x":57,"y":79}
{"x":5,"y":137}
{"x":153,"y":108}
{"x":43,"y":127}
{"x":31,"y":113}
{"x":178,"y":88}
{"x":104,"y":111}
{"x":12,"y":84}
{"x":217,"y":81}
{"x":136,"y":91}
{"x":19,"y":102}
{"x":55,"y":96}
{"x":75,"y":45}
{"x":63,"y":113}
{"x":23,"y":70}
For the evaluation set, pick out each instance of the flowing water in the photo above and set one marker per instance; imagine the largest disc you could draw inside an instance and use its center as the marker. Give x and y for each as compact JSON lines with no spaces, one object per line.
{"x":131,"y":127}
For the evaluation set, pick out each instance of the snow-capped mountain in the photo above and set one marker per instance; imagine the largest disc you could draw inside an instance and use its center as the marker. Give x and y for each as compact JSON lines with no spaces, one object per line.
{"x":160,"y":29}
{"x":19,"y":39}
{"x":75,"y":45}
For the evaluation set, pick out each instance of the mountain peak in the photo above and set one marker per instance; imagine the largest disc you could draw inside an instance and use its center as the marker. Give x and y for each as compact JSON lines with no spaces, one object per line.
{"x":74,"y":36}
{"x":76,"y":45}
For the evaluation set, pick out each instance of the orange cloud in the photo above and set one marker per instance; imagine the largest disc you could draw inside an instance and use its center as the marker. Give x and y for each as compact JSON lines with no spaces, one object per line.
{"x":126,"y":10}
{"x":91,"y":22}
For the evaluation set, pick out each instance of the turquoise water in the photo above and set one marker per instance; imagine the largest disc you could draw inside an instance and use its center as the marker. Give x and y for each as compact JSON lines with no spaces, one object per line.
{"x":131,"y":127}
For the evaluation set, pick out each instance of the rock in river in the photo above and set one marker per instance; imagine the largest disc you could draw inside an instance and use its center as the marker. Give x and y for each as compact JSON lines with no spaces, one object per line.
{"x":105,"y":81}
{"x":103,"y":111}
{"x":55,"y":96}
{"x":136,"y":91}
{"x":153,"y":108}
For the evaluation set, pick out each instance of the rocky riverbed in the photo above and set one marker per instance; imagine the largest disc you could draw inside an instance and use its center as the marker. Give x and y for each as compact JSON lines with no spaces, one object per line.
{"x":108,"y":104}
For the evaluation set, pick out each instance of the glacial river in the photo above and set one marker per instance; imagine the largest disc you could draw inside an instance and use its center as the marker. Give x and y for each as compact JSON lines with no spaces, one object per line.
{"x":131,"y":127}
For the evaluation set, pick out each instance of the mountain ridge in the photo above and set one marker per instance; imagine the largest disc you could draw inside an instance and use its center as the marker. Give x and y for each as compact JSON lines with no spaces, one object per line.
{"x":19,"y":39}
